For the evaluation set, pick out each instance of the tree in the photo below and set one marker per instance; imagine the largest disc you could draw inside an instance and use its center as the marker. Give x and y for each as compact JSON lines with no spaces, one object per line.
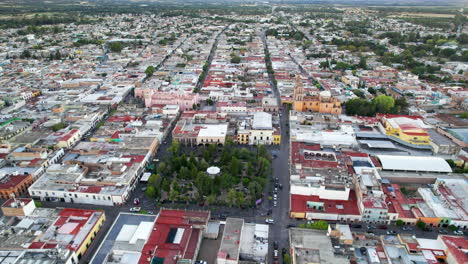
{"x":451,"y":163}
{"x":166,"y":185}
{"x":235,"y":166}
{"x":232,"y":197}
{"x":149,"y":71}
{"x":384,"y":104}
{"x":255,"y":189}
{"x":162,"y":167}
{"x":211,"y":199}
{"x":287,"y":258}
{"x":25,"y":54}
{"x":235,"y":59}
{"x":400,"y":222}
{"x":359,"y":93}
{"x":151,"y":192}
{"x":116,"y":47}
{"x":320,"y":224}
{"x":174,"y":148}
{"x":362,"y":63}
{"x":421,"y":225}
{"x":447,"y":52}
{"x":154,"y":180}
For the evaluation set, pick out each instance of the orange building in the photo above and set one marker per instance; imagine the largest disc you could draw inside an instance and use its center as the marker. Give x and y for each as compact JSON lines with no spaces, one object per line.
{"x":323,"y":103}
{"x":17,"y":184}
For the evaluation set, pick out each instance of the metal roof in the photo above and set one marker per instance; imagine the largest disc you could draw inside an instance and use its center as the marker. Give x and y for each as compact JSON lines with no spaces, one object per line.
{"x":414,"y":163}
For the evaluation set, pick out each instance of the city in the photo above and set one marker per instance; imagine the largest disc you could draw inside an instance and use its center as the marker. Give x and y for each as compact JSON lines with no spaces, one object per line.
{"x":224,"y":132}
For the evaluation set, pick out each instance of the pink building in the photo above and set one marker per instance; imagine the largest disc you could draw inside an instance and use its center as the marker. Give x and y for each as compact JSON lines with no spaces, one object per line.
{"x":154,"y":97}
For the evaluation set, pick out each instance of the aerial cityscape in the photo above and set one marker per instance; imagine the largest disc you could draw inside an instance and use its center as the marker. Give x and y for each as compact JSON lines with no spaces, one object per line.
{"x":225,"y":132}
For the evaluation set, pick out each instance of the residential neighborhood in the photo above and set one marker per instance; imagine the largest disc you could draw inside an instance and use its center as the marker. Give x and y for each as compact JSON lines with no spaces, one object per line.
{"x":251,"y":132}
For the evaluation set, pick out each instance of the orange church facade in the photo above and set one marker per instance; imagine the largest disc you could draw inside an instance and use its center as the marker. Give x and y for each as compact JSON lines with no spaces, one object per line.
{"x":323,"y":103}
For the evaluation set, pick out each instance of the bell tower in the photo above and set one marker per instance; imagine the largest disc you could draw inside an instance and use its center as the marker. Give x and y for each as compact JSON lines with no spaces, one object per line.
{"x":298,"y":95}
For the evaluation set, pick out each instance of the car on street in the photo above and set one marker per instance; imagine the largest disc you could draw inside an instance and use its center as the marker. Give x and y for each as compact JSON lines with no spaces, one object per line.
{"x":356,"y":226}
{"x":384,"y":227}
{"x":275,"y":203}
{"x":407,"y":228}
{"x":275,"y":244}
{"x":443,"y":231}
{"x":135,"y":209}
{"x":275,"y":197}
{"x":458,"y":233}
{"x":391,"y":232}
{"x":201,"y":262}
{"x":290,"y":225}
{"x":270,"y":221}
{"x":371,"y":227}
{"x":136,"y":201}
{"x":275,"y":254}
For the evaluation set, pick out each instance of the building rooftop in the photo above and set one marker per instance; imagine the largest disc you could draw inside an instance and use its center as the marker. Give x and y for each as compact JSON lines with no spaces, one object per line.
{"x":262,"y":120}
{"x":211,"y":130}
{"x":312,"y":246}
{"x":230,"y":244}
{"x":414,"y":163}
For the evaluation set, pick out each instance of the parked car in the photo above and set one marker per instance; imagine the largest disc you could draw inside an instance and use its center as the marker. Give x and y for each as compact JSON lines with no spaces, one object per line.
{"x":136,"y":201}
{"x":275,"y":244}
{"x":201,"y":262}
{"x":275,"y":254}
{"x":135,"y":209}
{"x":407,"y":228}
{"x":384,"y":227}
{"x":290,"y":225}
{"x":391,"y":232}
{"x":270,"y":221}
{"x":371,"y":227}
{"x":356,"y":226}
{"x":443,"y":231}
{"x":458,"y":233}
{"x":275,"y":203}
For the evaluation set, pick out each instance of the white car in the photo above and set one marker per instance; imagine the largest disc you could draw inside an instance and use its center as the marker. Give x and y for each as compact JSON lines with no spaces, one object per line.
{"x":135,"y":209}
{"x":269,"y":221}
{"x":458,"y":232}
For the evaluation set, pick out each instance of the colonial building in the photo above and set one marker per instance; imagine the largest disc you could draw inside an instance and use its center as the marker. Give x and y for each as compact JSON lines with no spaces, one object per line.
{"x":323,"y":103}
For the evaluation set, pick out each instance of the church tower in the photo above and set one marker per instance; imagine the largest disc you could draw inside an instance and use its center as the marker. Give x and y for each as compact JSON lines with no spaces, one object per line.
{"x":298,"y":95}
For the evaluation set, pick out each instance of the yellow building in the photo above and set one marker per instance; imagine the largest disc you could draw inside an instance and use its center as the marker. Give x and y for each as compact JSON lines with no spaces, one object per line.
{"x":276,"y":139}
{"x":243,"y":137}
{"x":324,"y":103}
{"x":410,"y":129}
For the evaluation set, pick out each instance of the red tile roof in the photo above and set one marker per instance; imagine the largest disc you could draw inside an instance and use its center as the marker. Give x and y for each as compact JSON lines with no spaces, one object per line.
{"x":456,"y":246}
{"x":157,"y":245}
{"x":350,"y":207}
